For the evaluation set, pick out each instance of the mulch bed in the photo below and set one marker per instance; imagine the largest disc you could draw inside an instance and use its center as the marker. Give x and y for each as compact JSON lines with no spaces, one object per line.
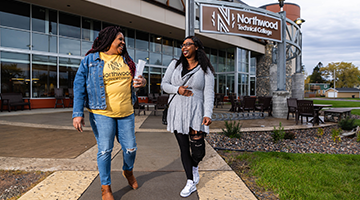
{"x":305,"y":141}
{"x":15,"y":183}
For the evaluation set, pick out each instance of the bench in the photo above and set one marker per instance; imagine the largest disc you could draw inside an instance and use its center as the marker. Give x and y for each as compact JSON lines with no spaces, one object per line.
{"x":13,"y":99}
{"x":336,"y":114}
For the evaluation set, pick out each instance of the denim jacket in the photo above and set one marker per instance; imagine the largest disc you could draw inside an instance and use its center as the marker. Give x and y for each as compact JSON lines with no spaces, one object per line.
{"x":89,"y":90}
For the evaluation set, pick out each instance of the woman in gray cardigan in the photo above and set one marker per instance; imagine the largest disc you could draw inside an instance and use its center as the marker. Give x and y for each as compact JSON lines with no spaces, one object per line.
{"x":191,"y":78}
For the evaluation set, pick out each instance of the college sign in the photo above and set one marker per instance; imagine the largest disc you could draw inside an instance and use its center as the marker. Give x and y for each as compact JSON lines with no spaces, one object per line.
{"x":221,"y":19}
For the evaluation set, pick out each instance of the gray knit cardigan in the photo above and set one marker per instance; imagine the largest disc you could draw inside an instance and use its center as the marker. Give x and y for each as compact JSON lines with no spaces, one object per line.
{"x":185,"y":112}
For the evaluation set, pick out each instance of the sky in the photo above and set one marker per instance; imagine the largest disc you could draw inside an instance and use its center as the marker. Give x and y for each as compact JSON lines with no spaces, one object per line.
{"x":331,"y":32}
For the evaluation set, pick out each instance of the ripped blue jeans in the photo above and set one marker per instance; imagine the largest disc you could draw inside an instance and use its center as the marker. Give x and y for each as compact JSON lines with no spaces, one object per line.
{"x":105,"y":130}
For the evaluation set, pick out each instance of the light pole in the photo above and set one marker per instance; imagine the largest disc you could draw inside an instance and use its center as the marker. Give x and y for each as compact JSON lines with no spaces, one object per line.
{"x":281,"y":74}
{"x":299,"y":22}
{"x":281,"y":4}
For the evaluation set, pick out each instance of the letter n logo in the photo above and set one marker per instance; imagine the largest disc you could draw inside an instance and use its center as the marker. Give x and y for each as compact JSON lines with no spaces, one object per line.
{"x":222,"y":21}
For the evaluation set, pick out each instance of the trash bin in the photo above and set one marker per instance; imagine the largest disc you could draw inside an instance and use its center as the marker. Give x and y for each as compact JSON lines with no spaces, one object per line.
{"x":353,"y":96}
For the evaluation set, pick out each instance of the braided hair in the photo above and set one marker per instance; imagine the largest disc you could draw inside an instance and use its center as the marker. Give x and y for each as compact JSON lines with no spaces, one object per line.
{"x":103,"y":43}
{"x":200,"y":56}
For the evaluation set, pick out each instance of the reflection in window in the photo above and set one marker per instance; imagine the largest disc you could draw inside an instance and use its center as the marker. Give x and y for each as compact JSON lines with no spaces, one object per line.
{"x":42,"y":42}
{"x":167,"y":46}
{"x":90,"y":29}
{"x":15,"y":39}
{"x":143,"y":55}
{"x":67,"y":71}
{"x":155,"y":80}
{"x":243,"y":64}
{"x":131,"y":53}
{"x":214,"y":58}
{"x":142,"y":40}
{"x":15,"y":73}
{"x":221,"y":64}
{"x":252,"y":86}
{"x":155,"y":59}
{"x":222,"y":84}
{"x":155,"y":43}
{"x":69,"y":25}
{"x":243,"y":84}
{"x":43,"y":76}
{"x":69,"y":46}
{"x":230,"y":84}
{"x":253,"y":66}
{"x":15,"y":14}
{"x":129,"y":37}
{"x":166,"y":60}
{"x":230,"y":59}
{"x":177,"y":49}
{"x":44,"y":20}
{"x":85,"y":47}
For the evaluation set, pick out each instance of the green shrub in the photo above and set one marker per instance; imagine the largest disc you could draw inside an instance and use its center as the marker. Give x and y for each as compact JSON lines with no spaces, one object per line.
{"x":320,"y":132}
{"x":347,"y":123}
{"x":335,"y":134}
{"x":232,"y":129}
{"x":278,"y":134}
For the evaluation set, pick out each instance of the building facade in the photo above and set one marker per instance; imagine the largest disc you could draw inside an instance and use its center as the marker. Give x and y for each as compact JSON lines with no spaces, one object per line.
{"x":42,"y":43}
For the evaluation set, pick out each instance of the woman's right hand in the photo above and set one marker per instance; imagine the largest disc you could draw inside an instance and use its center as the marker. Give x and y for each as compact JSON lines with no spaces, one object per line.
{"x":78,"y":123}
{"x":185,"y":92}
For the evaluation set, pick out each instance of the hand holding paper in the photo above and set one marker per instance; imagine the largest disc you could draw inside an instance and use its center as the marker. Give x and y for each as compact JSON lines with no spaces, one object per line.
{"x":140,"y":68}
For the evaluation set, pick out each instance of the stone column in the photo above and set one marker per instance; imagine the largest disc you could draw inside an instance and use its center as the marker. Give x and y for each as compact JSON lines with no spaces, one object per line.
{"x":297,"y":88}
{"x":280,"y":104}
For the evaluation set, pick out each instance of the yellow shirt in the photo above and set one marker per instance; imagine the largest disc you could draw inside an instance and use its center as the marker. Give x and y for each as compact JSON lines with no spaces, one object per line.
{"x":117,"y":81}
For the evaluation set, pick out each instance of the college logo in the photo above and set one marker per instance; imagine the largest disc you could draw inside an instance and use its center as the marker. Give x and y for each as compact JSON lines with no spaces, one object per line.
{"x":223,"y":20}
{"x":115,"y":66}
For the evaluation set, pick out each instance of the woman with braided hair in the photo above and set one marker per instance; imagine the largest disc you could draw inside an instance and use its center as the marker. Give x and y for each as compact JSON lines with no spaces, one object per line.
{"x":105,"y":85}
{"x":190,"y":80}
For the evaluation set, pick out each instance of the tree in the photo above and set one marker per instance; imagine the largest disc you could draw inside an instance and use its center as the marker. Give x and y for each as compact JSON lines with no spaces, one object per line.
{"x":346,"y":74}
{"x":316,"y":77}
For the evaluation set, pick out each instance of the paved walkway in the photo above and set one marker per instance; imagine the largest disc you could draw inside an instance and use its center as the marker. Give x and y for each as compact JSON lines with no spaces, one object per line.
{"x":157,"y":167}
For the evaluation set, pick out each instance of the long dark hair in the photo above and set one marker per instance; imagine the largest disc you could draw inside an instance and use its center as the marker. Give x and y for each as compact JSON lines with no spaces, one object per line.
{"x":200,"y":56}
{"x":103,"y":43}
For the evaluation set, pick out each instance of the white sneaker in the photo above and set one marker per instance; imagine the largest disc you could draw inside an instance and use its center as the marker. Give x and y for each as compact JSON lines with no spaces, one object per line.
{"x":188,"y":189}
{"x":196,"y":176}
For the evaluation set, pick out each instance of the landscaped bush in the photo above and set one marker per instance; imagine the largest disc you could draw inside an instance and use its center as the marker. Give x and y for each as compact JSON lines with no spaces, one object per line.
{"x":232,"y":129}
{"x":347,"y":123}
{"x":335,"y":134}
{"x":278,"y":134}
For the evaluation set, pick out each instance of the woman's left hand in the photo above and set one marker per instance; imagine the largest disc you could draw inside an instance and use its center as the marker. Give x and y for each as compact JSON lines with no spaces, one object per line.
{"x":206,"y":121}
{"x":139,"y":82}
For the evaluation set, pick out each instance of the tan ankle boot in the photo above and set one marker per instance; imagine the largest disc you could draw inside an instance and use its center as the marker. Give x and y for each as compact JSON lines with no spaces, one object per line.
{"x":131,"y":179}
{"x":106,"y":192}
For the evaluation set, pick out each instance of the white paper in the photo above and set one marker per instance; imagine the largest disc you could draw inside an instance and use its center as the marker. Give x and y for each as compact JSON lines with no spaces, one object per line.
{"x":140,"y":68}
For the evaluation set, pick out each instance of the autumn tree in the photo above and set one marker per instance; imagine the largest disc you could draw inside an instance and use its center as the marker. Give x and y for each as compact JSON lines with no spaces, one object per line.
{"x":346,"y":74}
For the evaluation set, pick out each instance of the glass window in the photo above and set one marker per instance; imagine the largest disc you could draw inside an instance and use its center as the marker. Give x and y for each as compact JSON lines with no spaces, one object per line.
{"x":252,"y":86}
{"x":105,"y":24}
{"x":213,"y":58}
{"x":69,"y":46}
{"x":155,"y":58}
{"x":177,"y":49}
{"x":90,"y":29}
{"x":142,"y":40}
{"x":15,"y":73}
{"x":43,"y":76}
{"x":167,"y":46}
{"x":155,"y":43}
{"x":15,"y":38}
{"x":42,"y":42}
{"x":253,"y":66}
{"x":166,"y":60}
{"x":230,"y":59}
{"x":44,"y":20}
{"x":243,"y":60}
{"x":144,"y":90}
{"x":67,"y":71}
{"x":131,"y":52}
{"x":85,"y":47}
{"x":155,"y":80}
{"x":129,"y":37}
{"x":221,"y":60}
{"x":230,"y":84}
{"x":15,"y":14}
{"x":243,"y":80}
{"x":222,"y":84}
{"x":69,"y":25}
{"x":143,"y":55}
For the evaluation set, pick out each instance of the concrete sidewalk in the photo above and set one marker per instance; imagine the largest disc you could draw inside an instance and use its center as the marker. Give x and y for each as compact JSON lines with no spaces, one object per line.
{"x":158,"y":167}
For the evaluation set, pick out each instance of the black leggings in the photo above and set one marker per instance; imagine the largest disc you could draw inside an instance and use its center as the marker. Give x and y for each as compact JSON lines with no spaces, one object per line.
{"x":197,"y":145}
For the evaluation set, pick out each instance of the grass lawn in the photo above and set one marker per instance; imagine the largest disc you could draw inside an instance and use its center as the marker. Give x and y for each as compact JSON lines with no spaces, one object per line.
{"x":305,"y":176}
{"x":336,"y":104}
